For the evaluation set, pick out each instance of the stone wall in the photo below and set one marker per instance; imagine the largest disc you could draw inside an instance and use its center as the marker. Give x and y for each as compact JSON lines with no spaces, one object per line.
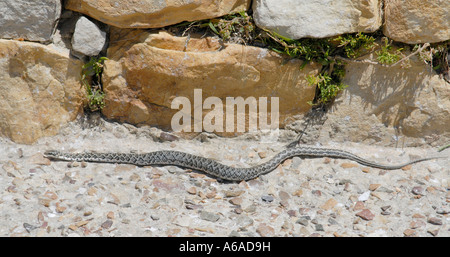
{"x":43,"y":45}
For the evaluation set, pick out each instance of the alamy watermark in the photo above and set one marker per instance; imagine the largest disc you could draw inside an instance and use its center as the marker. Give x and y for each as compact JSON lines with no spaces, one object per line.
{"x":225,"y":117}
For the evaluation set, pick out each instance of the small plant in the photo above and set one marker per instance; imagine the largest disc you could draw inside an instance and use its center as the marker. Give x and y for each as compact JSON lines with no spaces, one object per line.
{"x":386,"y":55}
{"x":91,"y":79}
{"x":234,"y":27}
{"x":355,"y":45}
{"x":328,"y":86}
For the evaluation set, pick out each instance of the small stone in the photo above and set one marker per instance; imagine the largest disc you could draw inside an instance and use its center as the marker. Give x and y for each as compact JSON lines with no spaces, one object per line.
{"x":236,"y":201}
{"x":319,"y":227}
{"x":283,"y":196}
{"x":209,"y":216}
{"x":348,"y":165}
{"x":59,"y":208}
{"x":265,"y":231}
{"x":262,"y":154}
{"x":107,"y":224}
{"x":267,"y":198}
{"x":73,"y":227}
{"x":366,"y":214}
{"x":417,"y":224}
{"x":358,"y":206}
{"x":364,"y":196}
{"x":110,"y":215}
{"x":409,"y":232}
{"x":433,"y":232}
{"x":250,"y":209}
{"x":365,"y":169}
{"x":329,"y":204}
{"x":316,"y":192}
{"x":298,"y":192}
{"x":435,"y":221}
{"x":303,"y":221}
{"x":373,"y":187}
{"x":82,"y":223}
{"x":193,"y":206}
{"x":164,"y":136}
{"x":192,"y":190}
{"x":385,"y":208}
{"x":417,"y":190}
{"x":29,"y":227}
{"x":233,"y":193}
{"x":332,"y":221}
{"x":92,"y":191}
{"x":418,"y":216}
{"x":292,"y":213}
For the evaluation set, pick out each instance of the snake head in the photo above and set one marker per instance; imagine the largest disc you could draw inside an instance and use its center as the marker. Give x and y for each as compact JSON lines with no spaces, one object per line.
{"x":51,"y":154}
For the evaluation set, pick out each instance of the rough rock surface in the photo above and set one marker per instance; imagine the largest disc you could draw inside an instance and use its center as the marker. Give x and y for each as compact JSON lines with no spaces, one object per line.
{"x":417,"y":21}
{"x":144,"y":74}
{"x":88,"y":39}
{"x":302,"y":197}
{"x":154,"y":14}
{"x":30,"y":20}
{"x":317,"y":19}
{"x":395,"y":106}
{"x":40,"y":90}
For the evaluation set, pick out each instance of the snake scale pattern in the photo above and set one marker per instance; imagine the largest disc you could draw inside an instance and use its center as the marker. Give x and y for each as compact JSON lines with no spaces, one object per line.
{"x":215,"y":168}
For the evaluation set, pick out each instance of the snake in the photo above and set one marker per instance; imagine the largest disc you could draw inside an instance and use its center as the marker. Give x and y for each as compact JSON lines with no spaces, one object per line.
{"x":215,"y":168}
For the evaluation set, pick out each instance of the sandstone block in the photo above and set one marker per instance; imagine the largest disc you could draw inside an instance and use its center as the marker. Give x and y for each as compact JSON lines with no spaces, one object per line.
{"x":154,"y":13}
{"x":144,"y":75}
{"x":391,"y":105}
{"x":40,"y":90}
{"x":417,"y":21}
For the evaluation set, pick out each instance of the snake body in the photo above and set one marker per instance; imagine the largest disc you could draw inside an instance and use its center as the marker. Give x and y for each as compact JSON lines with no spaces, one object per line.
{"x":215,"y":168}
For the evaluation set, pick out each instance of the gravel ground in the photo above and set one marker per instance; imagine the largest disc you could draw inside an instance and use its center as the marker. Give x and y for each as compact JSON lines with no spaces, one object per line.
{"x":302,"y":197}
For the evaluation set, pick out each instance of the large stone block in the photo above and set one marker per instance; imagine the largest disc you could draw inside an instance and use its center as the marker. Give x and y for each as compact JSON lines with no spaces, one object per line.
{"x":154,"y":13}
{"x":40,"y":90}
{"x":144,"y":74}
{"x":395,"y":106}
{"x":318,"y":18}
{"x":417,"y":21}
{"x":30,"y":20}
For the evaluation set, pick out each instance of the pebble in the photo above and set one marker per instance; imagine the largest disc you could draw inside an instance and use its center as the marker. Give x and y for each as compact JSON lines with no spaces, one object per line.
{"x":265,"y":230}
{"x":329,"y":204}
{"x":364,"y":196}
{"x":192,"y":190}
{"x":434,"y":221}
{"x":236,"y":201}
{"x":29,"y":227}
{"x":209,"y":216}
{"x":417,"y":190}
{"x":233,"y":193}
{"x":319,"y":227}
{"x":303,"y":221}
{"x":409,"y":232}
{"x":107,"y":224}
{"x":366,"y":214}
{"x":267,"y":198}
